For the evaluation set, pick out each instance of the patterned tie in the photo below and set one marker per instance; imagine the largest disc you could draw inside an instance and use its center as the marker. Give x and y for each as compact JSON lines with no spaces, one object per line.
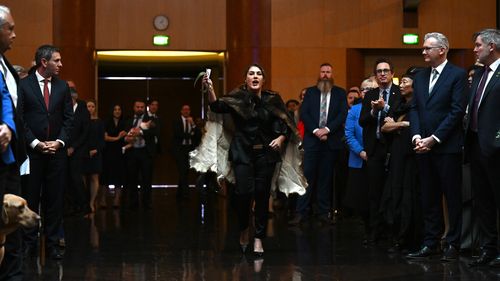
{"x":322,"y":111}
{"x":477,"y":98}
{"x":435,"y":74}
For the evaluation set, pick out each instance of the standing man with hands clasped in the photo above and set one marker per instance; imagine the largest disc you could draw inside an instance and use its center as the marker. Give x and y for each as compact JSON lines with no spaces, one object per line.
{"x":186,"y":137}
{"x":483,"y":144}
{"x":436,"y":115}
{"x":323,"y":112}
{"x":48,"y":117}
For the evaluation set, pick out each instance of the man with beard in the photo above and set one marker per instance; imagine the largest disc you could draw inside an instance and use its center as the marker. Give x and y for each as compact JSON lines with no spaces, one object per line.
{"x":376,"y":105}
{"x":323,"y":112}
{"x":139,"y":157}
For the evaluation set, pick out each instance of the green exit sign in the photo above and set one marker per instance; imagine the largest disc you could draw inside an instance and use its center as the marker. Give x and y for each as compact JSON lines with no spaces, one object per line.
{"x":410,"y":39}
{"x":161,"y":40}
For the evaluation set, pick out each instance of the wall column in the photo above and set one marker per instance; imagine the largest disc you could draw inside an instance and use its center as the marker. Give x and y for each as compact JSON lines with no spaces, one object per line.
{"x":74,"y":34}
{"x":248,"y":39}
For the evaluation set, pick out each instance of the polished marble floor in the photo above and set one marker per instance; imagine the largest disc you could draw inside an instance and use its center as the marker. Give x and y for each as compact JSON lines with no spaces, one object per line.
{"x":197,"y":240}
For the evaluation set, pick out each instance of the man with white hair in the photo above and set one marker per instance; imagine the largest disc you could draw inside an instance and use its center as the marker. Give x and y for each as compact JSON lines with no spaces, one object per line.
{"x":11,"y":142}
{"x":436,"y":114}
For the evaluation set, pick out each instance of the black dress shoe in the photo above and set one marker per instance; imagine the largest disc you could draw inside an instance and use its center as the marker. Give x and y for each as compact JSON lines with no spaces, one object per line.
{"x":450,"y":254}
{"x":484,"y":259}
{"x":423,"y":253}
{"x":495,"y":262}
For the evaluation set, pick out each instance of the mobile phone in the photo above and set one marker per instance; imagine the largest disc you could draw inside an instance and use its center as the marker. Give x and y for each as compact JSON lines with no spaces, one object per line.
{"x":208,"y":71}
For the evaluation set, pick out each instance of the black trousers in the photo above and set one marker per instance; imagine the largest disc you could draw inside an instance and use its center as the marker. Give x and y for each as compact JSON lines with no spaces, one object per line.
{"x":11,"y":267}
{"x":76,"y":190}
{"x":253,"y":181}
{"x":139,"y":165}
{"x":377,"y":174}
{"x":485,"y":179}
{"x":182,"y":160}
{"x":46,"y":184}
{"x":441,"y":174}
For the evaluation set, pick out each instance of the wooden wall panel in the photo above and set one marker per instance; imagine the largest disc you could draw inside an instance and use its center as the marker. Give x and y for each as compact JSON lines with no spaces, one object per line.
{"x":33,"y":27}
{"x":128,"y":24}
{"x":303,"y":30}
{"x":297,"y":68}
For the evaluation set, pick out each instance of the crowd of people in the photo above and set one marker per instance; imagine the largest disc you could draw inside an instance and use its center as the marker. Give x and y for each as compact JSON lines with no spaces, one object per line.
{"x":391,"y":154}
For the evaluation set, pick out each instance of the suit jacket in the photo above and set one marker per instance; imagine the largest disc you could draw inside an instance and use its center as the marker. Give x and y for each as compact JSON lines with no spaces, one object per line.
{"x":441,"y":112}
{"x":179,"y":135}
{"x":37,"y":119}
{"x":18,"y":142}
{"x":337,"y":112}
{"x":488,"y":115}
{"x":80,"y":130}
{"x":370,"y":122}
{"x":148,"y":134}
{"x":157,"y":124}
{"x":354,"y":136}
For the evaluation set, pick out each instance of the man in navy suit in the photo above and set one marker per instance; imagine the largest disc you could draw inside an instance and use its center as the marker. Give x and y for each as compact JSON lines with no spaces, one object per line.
{"x":376,"y":106}
{"x":483,"y":143}
{"x":436,"y":115}
{"x":48,"y":117}
{"x":323,"y":112}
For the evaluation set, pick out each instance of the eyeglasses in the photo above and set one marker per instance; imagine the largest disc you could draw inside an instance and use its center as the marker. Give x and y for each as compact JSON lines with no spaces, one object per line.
{"x":383,"y":71}
{"x":366,"y":89}
{"x":430,"y":48}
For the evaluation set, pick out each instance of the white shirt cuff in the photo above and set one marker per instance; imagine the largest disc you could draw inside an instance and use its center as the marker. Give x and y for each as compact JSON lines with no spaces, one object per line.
{"x":415,"y":137}
{"x":34,"y":143}
{"x":436,"y":138}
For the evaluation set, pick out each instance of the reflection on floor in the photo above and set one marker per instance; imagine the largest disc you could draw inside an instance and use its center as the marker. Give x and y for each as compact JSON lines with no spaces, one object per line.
{"x":198,"y":240}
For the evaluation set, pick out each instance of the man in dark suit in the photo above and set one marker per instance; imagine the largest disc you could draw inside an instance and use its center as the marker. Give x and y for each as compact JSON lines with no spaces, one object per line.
{"x":139,"y":157}
{"x":436,"y":115}
{"x":323,"y":112}
{"x":11,"y":139}
{"x":483,"y":143}
{"x":77,"y":151}
{"x":48,"y":118}
{"x":153,"y":105}
{"x":186,"y":136}
{"x":376,"y":106}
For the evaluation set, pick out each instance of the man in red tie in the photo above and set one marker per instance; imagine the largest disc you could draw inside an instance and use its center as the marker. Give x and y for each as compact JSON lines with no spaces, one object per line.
{"x":48,"y":116}
{"x":483,"y":143}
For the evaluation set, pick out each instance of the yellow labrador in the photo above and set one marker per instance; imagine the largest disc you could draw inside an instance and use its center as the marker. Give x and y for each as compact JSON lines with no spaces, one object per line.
{"x":15,"y":213}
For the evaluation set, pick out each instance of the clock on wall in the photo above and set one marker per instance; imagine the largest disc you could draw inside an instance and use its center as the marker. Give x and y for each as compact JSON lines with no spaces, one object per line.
{"x":160,"y":22}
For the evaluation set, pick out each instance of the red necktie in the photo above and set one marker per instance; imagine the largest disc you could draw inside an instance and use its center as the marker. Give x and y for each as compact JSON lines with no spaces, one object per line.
{"x":46,"y":92}
{"x":46,"y":99}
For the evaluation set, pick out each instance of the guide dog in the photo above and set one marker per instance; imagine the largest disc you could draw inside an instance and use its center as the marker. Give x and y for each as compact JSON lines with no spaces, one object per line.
{"x":15,"y":213}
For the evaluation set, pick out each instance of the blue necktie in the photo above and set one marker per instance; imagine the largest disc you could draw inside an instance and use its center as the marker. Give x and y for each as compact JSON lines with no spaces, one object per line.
{"x":7,"y":119}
